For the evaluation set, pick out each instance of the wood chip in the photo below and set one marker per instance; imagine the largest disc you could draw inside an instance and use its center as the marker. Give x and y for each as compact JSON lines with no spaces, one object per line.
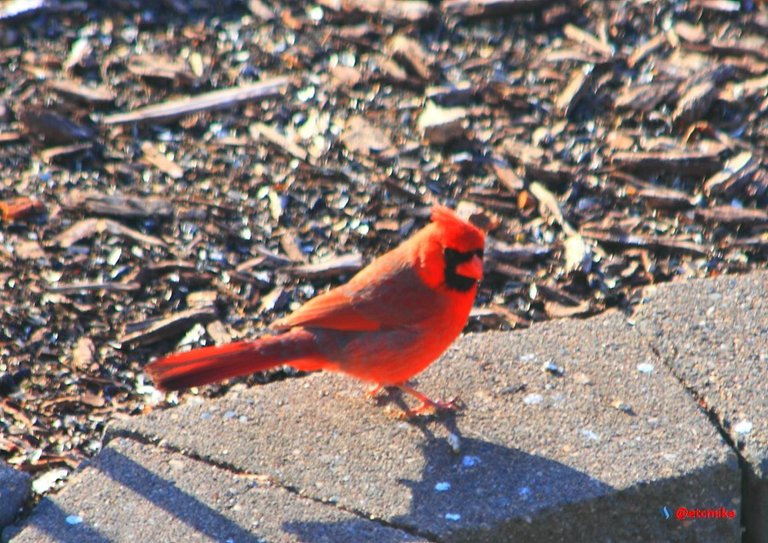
{"x":406,"y":11}
{"x":118,"y":205}
{"x":53,"y":127}
{"x":162,"y":267}
{"x":90,"y":227}
{"x":220,"y":99}
{"x":488,"y":8}
{"x":507,"y":176}
{"x":20,"y":208}
{"x":725,"y":6}
{"x":153,"y":156}
{"x":154,"y":330}
{"x":550,"y":206}
{"x":695,"y":103}
{"x":678,"y":162}
{"x":79,"y":91}
{"x":83,"y":286}
{"x":690,"y":32}
{"x":10,"y":137}
{"x":18,"y":8}
{"x":261,"y":130}
{"x":28,"y":250}
{"x":726,"y":214}
{"x":275,"y":300}
{"x":451,"y":95}
{"x":556,"y":310}
{"x":645,"y":98}
{"x":91,"y":399}
{"x":202,"y":298}
{"x":51,"y":153}
{"x":513,"y":272}
{"x":494,"y":314}
{"x":664,"y":198}
{"x":736,"y":170}
{"x":332,"y":267}
{"x":502,"y":251}
{"x":642,"y":51}
{"x":441,"y":125}
{"x":218,"y":332}
{"x":591,"y":42}
{"x":410,"y":53}
{"x":345,"y":76}
{"x":82,"y":354}
{"x":577,"y":254}
{"x":260,"y":10}
{"x":578,"y":85}
{"x":161,"y":67}
{"x":360,"y":136}
{"x":622,"y":239}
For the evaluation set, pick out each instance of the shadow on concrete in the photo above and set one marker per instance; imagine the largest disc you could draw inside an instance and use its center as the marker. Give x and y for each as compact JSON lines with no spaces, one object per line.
{"x":472,"y":493}
{"x":164,"y":494}
{"x":489,"y":493}
{"x":50,"y":519}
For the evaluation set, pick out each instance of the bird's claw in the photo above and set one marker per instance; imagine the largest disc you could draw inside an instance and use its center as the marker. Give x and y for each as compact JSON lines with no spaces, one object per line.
{"x":431,"y":407}
{"x":373,"y":391}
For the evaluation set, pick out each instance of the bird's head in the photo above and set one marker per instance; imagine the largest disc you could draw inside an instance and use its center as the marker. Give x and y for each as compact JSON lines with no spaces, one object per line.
{"x":453,"y":256}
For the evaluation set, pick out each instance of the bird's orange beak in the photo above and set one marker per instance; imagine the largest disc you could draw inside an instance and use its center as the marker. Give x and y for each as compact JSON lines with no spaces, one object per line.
{"x":472,"y":268}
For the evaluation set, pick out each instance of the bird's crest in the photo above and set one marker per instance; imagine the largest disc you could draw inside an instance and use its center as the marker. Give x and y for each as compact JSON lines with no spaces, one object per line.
{"x":458,"y":233}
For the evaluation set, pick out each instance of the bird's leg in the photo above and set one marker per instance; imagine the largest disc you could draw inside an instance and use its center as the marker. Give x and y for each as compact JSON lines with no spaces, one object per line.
{"x":371,"y":392}
{"x":427,"y":404}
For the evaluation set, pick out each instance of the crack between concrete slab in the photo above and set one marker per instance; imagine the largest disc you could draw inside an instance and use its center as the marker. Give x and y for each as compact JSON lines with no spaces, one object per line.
{"x":714,"y":420}
{"x":145,"y":440}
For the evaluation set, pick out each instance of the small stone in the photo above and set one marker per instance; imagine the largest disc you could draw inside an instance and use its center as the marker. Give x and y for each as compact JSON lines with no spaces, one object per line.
{"x":470,"y":461}
{"x":74,"y":519}
{"x":443,"y":486}
{"x":553,"y":368}
{"x":533,"y":399}
{"x":454,"y":442}
{"x":743,"y":427}
{"x":645,"y":367}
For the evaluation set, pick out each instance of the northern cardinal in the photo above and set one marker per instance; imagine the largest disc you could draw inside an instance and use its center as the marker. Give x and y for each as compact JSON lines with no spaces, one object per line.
{"x":388,"y":323}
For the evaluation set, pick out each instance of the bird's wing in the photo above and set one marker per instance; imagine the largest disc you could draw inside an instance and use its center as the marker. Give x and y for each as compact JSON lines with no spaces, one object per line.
{"x":385,"y":295}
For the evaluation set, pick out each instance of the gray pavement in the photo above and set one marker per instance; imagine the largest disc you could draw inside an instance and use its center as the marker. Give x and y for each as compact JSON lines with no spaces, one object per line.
{"x":714,"y":336}
{"x":572,"y":431}
{"x":14,"y":490}
{"x":133,"y":493}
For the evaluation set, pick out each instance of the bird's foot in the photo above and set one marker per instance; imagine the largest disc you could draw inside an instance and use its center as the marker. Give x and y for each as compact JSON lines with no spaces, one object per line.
{"x":373,"y":391}
{"x":428,"y":405}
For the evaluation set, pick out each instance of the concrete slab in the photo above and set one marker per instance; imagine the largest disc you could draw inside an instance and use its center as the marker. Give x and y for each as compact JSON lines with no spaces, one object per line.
{"x":603,"y":452}
{"x":133,"y":492}
{"x":14,"y":491}
{"x":714,"y":336}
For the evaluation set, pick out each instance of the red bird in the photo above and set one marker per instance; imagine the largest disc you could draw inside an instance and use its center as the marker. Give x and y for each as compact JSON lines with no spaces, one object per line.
{"x":388,"y":323}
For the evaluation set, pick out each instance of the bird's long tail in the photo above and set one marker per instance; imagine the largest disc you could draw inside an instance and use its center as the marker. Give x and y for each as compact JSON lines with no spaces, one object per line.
{"x":197,"y":367}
